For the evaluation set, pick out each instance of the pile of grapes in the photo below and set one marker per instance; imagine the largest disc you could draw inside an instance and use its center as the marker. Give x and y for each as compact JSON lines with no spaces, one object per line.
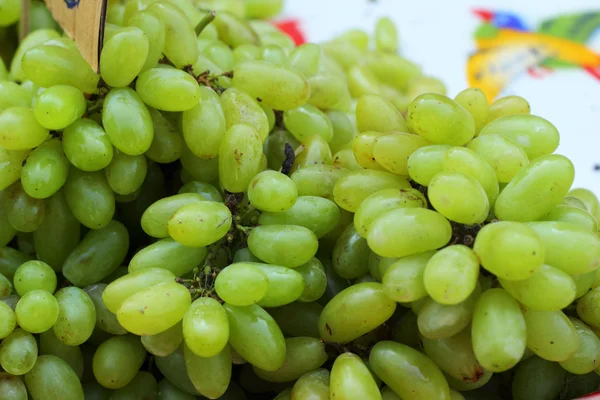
{"x":223,"y":214}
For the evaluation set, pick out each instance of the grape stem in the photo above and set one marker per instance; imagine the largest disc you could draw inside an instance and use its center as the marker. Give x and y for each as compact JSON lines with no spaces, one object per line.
{"x":207,"y":19}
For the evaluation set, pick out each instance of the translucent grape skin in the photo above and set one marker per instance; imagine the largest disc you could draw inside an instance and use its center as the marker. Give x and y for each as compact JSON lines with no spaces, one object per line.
{"x":239,"y":157}
{"x":37,"y":311}
{"x":59,"y":106}
{"x":20,"y":130}
{"x":451,"y":274}
{"x":18,"y":352}
{"x":156,"y":217}
{"x":272,"y":191}
{"x":53,"y":379}
{"x":34,"y":275}
{"x":403,"y":279}
{"x":205,"y":327}
{"x":458,"y":197}
{"x":125,"y":174}
{"x":9,"y":320}
{"x":374,"y":113}
{"x":123,"y":56}
{"x":241,"y":284}
{"x":168,"y":255}
{"x":425,"y":162}
{"x":200,"y":223}
{"x":76,"y":317}
{"x":23,"y":212}
{"x":585,"y":359}
{"x":551,"y":335}
{"x":476,"y":103}
{"x":209,"y":375}
{"x":505,"y":157}
{"x":45,"y":170}
{"x":313,"y":385}
{"x":350,"y":190}
{"x":286,"y":245}
{"x":86,"y":145}
{"x":117,"y":361}
{"x":168,"y":89}
{"x":351,"y":379}
{"x":12,"y":387}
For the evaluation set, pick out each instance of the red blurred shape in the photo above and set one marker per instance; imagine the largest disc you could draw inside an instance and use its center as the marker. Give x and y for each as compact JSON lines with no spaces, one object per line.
{"x":592,"y":396}
{"x":485,"y":15}
{"x":595,"y":72}
{"x":291,"y":27}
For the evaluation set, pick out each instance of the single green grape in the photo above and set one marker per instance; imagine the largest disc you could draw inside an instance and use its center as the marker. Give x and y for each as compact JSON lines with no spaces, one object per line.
{"x":153,"y":28}
{"x":350,"y":190}
{"x":23,"y":212}
{"x":209,"y":375}
{"x":34,"y":275}
{"x":90,"y":198}
{"x":87,"y":146}
{"x":504,"y":156}
{"x":386,"y":36}
{"x":8,"y":320}
{"x":37,"y":311}
{"x":18,"y":352}
{"x":168,"y":255}
{"x":241,"y":284}
{"x":164,"y":343}
{"x":351,"y":379}
{"x":315,"y":280}
{"x":19,"y":129}
{"x":458,"y":197}
{"x":200,"y":223}
{"x":374,"y":113}
{"x":272,"y":191}
{"x":312,"y":385}
{"x":284,"y":285}
{"x":393,"y":150}
{"x":317,"y":180}
{"x":168,"y":89}
{"x":123,"y":56}
{"x":205,"y":327}
{"x":451,"y":274}
{"x":551,"y":334}
{"x":585,"y":359}
{"x":476,"y":103}
{"x":307,"y":120}
{"x":76,"y":317}
{"x":122,"y":288}
{"x":241,"y":108}
{"x":536,"y":377}
{"x":117,"y":361}
{"x":328,"y":92}
{"x":240,"y":157}
{"x":286,"y":245}
{"x":125,"y":174}
{"x":426,"y":162}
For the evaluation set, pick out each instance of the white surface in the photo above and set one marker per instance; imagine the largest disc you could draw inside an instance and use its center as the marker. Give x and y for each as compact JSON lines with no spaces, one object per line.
{"x":438,"y":35}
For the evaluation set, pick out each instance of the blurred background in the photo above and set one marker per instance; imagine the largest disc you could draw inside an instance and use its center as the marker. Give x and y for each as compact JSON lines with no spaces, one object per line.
{"x":440,"y":36}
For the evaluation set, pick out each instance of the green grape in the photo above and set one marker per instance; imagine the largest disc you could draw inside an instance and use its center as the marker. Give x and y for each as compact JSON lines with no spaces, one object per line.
{"x":317,"y":180}
{"x":167,"y":143}
{"x":306,"y":121}
{"x":117,"y":361}
{"x":5,"y":286}
{"x":45,"y":170}
{"x":123,"y":56}
{"x":392,"y":151}
{"x":406,"y":231}
{"x":270,"y":115}
{"x":350,"y":254}
{"x":127,"y":121}
{"x":206,"y":190}
{"x":115,"y":13}
{"x":573,"y":201}
{"x":234,"y":31}
{"x":298,"y":319}
{"x":536,"y":378}
{"x":370,"y":308}
{"x":286,"y":245}
{"x":11,"y":95}
{"x":246,"y":52}
{"x":10,"y":260}
{"x":315,"y":280}
{"x":87,"y":146}
{"x":362,"y":146}
{"x":451,"y":274}
{"x":243,"y":255}
{"x":220,"y":54}
{"x":240,"y":108}
{"x":508,"y":105}
{"x":7,"y":231}
{"x":125,"y":174}
{"x":263,"y":9}
{"x":548,"y":289}
{"x":584,"y":283}
{"x":168,"y":391}
{"x":51,"y":378}
{"x":105,"y":319}
{"x":59,"y":233}
{"x":168,"y":89}
{"x":569,"y":248}
{"x":386,"y":36}
{"x":343,"y":130}
{"x":37,"y":311}
{"x":12,"y":387}
{"x":8,"y":320}
{"x":476,"y":103}
{"x":498,"y":331}
{"x":205,"y":327}
{"x":312,"y":385}
{"x":98,"y":255}
{"x":155,"y":32}
{"x":359,"y":38}
{"x":551,"y":335}
{"x":573,"y":215}
{"x":440,"y":120}
{"x":314,"y":150}
{"x":439,"y":321}
{"x":239,"y":157}
{"x":585,"y":359}
{"x":174,"y":369}
{"x":467,"y":162}
{"x":23,"y":212}
{"x":403,"y":278}
{"x":211,"y":375}
{"x":180,"y":38}
{"x":454,"y":356}
{"x":200,"y":223}
{"x":284,"y":394}
{"x":351,"y":379}
{"x":589,"y":200}
{"x":242,"y":284}
{"x":284,"y":285}
{"x":35,"y":38}
{"x":164,"y":343}
{"x":505,"y":157}
{"x":374,"y":113}
{"x":510,"y":250}
{"x":156,"y":217}
{"x":19,"y":130}
{"x":118,"y":291}
{"x":59,"y":106}
{"x":143,"y":386}
{"x":72,"y":355}
{"x":204,"y":125}
{"x":76,"y":317}
{"x":10,"y":301}
{"x":18,"y":352}
{"x":198,"y":168}
{"x":90,"y":198}
{"x":394,"y":70}
{"x":305,"y":58}
{"x":94,"y":391}
{"x":458,"y":197}
{"x":426,"y":162}
{"x":537,"y":136}
{"x":274,"y":147}
{"x":345,"y":159}
{"x":350,"y":190}
{"x":34,"y":275}
{"x":255,"y":336}
{"x":274,"y":192}
{"x":388,"y":394}
{"x":425,"y":85}
{"x":345,"y":54}
{"x":536,"y":189}
{"x":48,"y":65}
{"x":410,"y":374}
{"x":327,"y":91}
{"x":163,"y":306}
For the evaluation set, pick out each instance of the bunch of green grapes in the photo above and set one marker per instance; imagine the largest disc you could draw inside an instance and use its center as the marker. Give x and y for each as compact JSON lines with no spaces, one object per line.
{"x":222,"y":213}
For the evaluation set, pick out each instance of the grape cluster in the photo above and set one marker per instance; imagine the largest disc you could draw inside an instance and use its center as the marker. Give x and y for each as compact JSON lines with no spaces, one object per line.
{"x":222,"y":214}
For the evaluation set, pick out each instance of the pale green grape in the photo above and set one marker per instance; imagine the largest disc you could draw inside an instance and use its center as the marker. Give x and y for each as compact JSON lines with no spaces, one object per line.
{"x":167,"y":143}
{"x":548,"y":289}
{"x":536,"y":378}
{"x":105,"y":319}
{"x":164,"y":343}
{"x":10,"y":260}
{"x":19,"y":130}
{"x":425,"y":162}
{"x":317,"y":180}
{"x":241,"y":284}
{"x":98,"y":255}
{"x":327,"y":91}
{"x":504,"y":156}
{"x":273,"y":192}
{"x":573,"y":215}
{"x":37,"y":311}
{"x":156,"y":217}
{"x":439,"y":321}
{"x":315,"y":280}
{"x":167,"y":254}
{"x":394,"y":70}
{"x":476,"y":103}
{"x":369,"y":306}
{"x":198,"y":168}
{"x":11,"y":10}
{"x":392,"y":151}
{"x":11,"y":386}
{"x":537,"y":136}
{"x":584,"y":283}
{"x":234,"y":31}
{"x":362,"y":147}
{"x":239,"y":157}
{"x":263,"y":9}
{"x":298,"y":319}
{"x":374,"y":113}
{"x":219,"y":53}
{"x":205,"y":327}
{"x":409,"y":373}
{"x":344,"y":53}
{"x":551,"y":335}
{"x":117,"y":361}
{"x":53,"y":379}
{"x":5,"y":286}
{"x":45,"y":170}
{"x":167,"y":391}
{"x":536,"y":189}
{"x":458,"y":197}
{"x":306,"y":121}
{"x":350,"y":190}
{"x":589,"y":200}
{"x":305,"y":59}
{"x":11,"y":94}
{"x":90,"y":198}
{"x":345,"y":159}
{"x":180,"y":38}
{"x":240,"y":108}
{"x":403,"y":278}
{"x":125,"y":174}
{"x":18,"y":352}
{"x":23,"y":212}
{"x":451,"y":274}
{"x":312,"y":385}
{"x":352,"y":380}
{"x":343,"y":130}
{"x":314,"y":150}
{"x":246,"y":52}
{"x":86,"y":145}
{"x":386,"y":37}
{"x":49,"y":344}
{"x":200,"y":223}
{"x":76,"y":317}
{"x":8,"y":320}
{"x":32,"y":40}
{"x":123,"y":56}
{"x":467,"y":162}
{"x":510,"y":250}
{"x":284,"y":285}
{"x":174,"y":370}
{"x":286,"y":245}
{"x":254,"y":335}
{"x":425,"y":85}
{"x":155,"y":32}
{"x":127,"y":121}
{"x":406,"y":231}
{"x":204,"y":125}
{"x":209,"y":375}
{"x":585,"y":359}
{"x":168,"y":89}
{"x":206,"y":190}
{"x":34,"y":275}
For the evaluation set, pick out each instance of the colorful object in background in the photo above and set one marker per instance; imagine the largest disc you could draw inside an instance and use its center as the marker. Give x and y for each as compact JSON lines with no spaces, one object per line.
{"x":291,"y":27}
{"x":507,"y":47}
